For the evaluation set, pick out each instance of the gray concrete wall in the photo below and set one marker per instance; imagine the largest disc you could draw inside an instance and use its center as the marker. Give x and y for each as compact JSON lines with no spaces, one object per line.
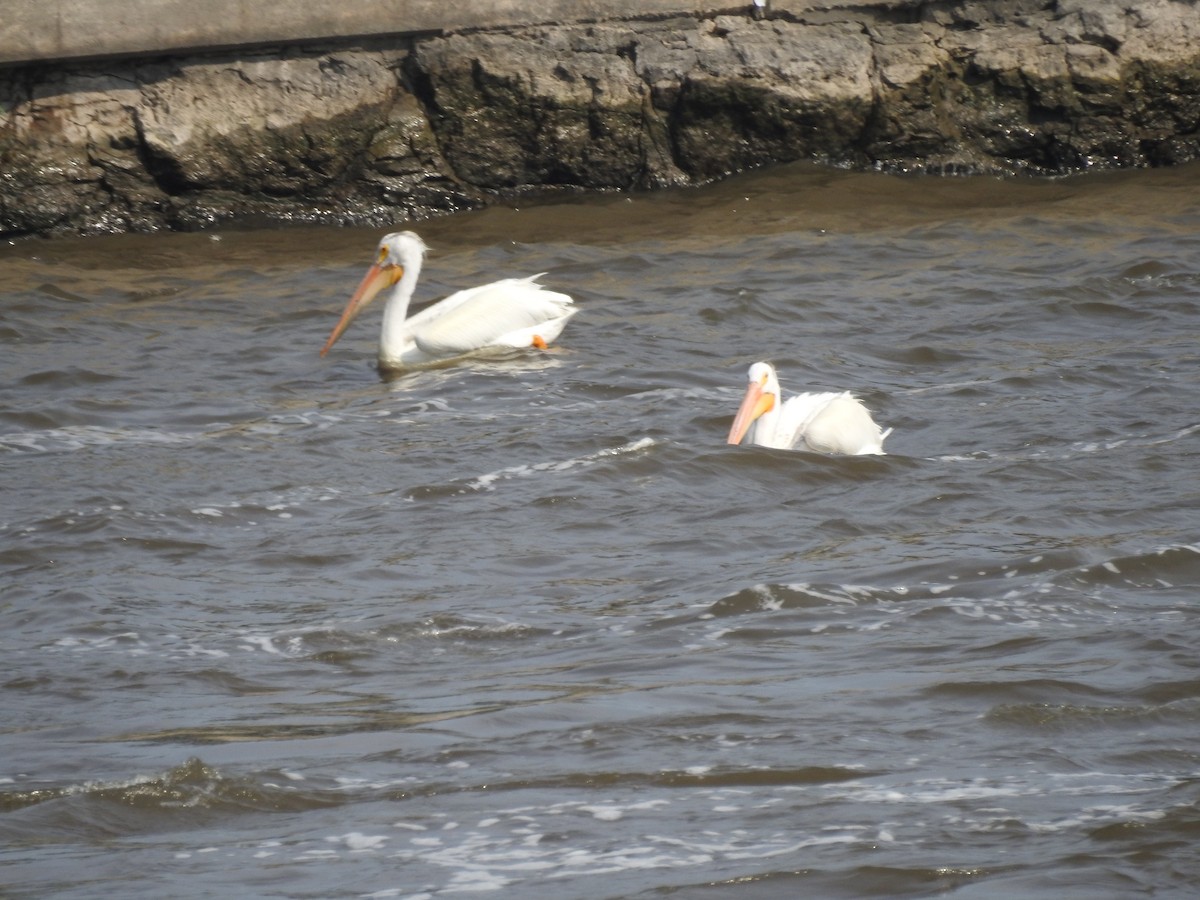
{"x":250,"y":111}
{"x":59,"y":30}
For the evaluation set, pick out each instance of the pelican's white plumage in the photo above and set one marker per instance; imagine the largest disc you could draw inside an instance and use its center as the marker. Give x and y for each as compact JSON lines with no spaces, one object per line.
{"x":514,"y":312}
{"x":822,"y":422}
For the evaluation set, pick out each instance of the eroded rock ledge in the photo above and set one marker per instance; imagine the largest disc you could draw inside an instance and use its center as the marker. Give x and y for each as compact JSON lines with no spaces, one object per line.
{"x":392,"y":130}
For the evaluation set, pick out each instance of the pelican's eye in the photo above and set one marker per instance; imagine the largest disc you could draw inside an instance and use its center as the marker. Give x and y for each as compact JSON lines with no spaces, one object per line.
{"x":383,"y":255}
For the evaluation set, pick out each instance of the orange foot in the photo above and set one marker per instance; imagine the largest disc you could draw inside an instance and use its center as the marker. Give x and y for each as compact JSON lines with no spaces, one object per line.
{"x":539,"y":342}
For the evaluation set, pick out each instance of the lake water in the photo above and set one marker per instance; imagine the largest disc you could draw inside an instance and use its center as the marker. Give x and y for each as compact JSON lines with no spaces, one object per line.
{"x":277,"y":626}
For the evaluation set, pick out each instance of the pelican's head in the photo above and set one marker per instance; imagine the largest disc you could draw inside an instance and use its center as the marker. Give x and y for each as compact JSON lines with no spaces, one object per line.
{"x":762,"y":396}
{"x":400,"y":248}
{"x":397,"y":253}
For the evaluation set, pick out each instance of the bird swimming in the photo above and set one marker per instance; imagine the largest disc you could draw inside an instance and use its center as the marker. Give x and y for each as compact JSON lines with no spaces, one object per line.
{"x":821,"y":422}
{"x":513,"y":312}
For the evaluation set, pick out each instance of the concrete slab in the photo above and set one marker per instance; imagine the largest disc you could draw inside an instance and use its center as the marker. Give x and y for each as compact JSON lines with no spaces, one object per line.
{"x":60,"y":30}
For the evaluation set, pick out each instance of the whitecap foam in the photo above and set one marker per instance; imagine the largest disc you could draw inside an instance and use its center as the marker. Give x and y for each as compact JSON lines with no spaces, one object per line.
{"x":356,"y":841}
{"x":489,"y":481}
{"x":1044,"y":600}
{"x":79,"y":437}
{"x":252,"y":510}
{"x":1072,"y":451}
{"x":506,"y":847}
{"x":70,"y":438}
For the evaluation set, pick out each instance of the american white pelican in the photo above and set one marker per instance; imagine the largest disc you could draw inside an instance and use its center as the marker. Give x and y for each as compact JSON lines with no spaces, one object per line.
{"x":514,"y":312}
{"x":826,"y":423}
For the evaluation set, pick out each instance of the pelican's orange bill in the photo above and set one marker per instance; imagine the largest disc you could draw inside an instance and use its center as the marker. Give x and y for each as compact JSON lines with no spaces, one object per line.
{"x":754,"y":404}
{"x":377,"y":278}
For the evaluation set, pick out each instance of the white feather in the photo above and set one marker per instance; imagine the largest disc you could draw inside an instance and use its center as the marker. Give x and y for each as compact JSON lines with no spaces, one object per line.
{"x":832,"y":422}
{"x":490,"y":315}
{"x":512,"y":312}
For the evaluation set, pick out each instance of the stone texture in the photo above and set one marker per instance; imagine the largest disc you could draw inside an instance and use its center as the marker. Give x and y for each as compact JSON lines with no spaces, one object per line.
{"x":550,"y":107}
{"x":414,"y":127}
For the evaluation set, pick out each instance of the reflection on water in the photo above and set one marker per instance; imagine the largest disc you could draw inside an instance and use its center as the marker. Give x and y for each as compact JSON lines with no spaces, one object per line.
{"x":278,"y":625}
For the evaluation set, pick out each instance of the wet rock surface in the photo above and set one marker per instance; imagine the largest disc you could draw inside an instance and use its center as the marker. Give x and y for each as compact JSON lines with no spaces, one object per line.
{"x":392,"y":131}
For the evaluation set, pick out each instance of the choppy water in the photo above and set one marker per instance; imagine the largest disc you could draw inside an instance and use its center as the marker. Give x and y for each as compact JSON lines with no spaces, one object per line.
{"x":274,"y":626}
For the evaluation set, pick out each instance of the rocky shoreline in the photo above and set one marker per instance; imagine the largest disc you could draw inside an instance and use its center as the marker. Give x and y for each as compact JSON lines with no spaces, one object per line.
{"x":389,"y":130}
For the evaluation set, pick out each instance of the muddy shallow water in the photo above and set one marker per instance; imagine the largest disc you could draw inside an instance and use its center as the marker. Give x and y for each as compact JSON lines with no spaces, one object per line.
{"x":277,"y":626}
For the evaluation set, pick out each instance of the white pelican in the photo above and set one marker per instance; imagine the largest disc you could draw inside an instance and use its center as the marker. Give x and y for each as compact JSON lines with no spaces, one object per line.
{"x":826,"y":423}
{"x":514,"y":312}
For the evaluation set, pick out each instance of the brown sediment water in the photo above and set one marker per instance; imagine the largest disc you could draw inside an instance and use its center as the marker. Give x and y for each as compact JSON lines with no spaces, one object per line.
{"x":276,"y":625}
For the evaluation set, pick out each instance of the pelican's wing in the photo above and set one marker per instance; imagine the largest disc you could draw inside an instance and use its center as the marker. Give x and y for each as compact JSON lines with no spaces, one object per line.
{"x":795,"y":415}
{"x":841,"y":424}
{"x":463,"y":324}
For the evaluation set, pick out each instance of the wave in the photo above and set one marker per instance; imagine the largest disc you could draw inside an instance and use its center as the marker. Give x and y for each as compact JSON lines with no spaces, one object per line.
{"x":122,"y":806}
{"x":491,"y":480}
{"x":1057,"y":588}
